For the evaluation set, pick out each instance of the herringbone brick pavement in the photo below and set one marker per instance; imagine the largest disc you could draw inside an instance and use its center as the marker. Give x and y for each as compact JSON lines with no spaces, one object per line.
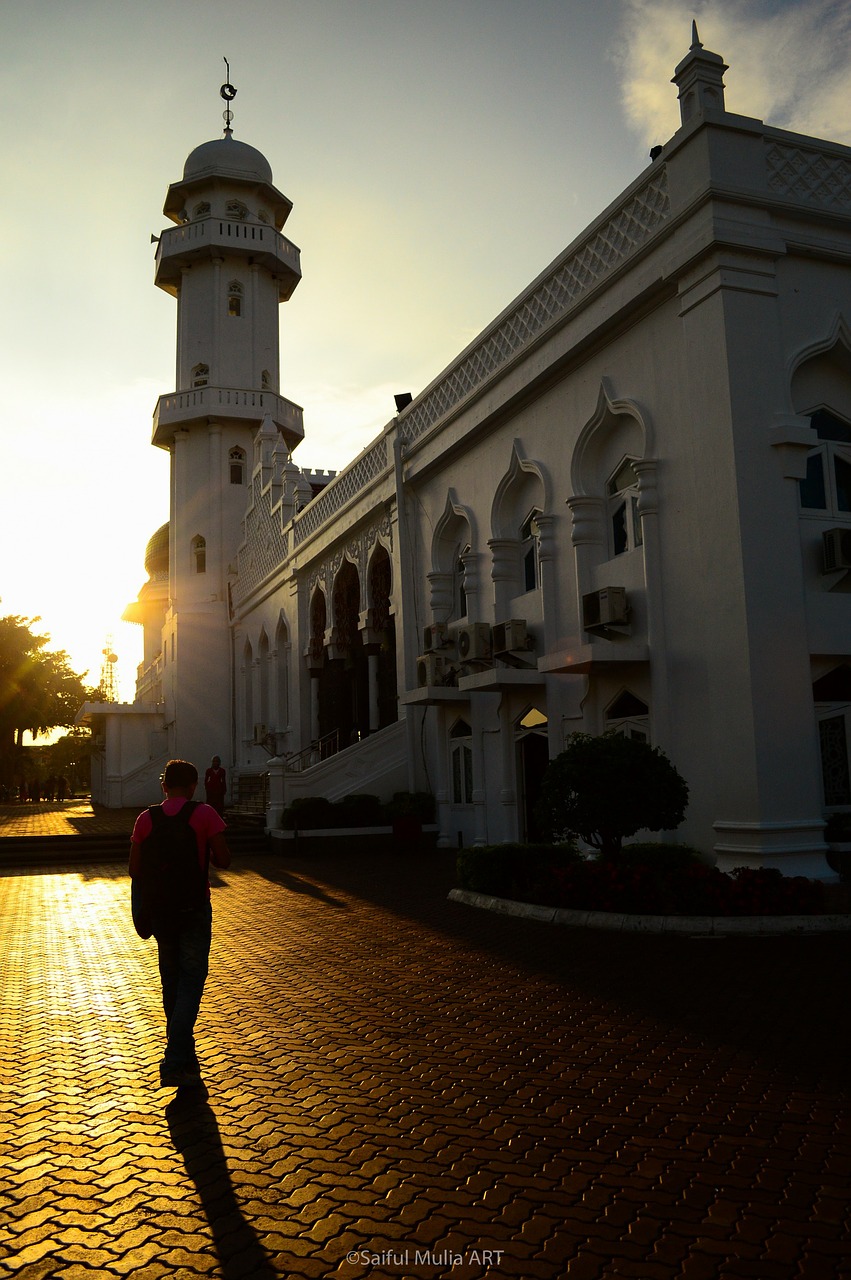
{"x":404,"y":1087}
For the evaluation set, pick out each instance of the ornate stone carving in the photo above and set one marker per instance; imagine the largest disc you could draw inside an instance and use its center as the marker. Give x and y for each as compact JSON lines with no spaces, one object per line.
{"x":811,"y":176}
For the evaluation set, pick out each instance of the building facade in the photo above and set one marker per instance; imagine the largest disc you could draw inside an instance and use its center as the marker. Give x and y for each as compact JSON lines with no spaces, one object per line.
{"x":626,"y":505}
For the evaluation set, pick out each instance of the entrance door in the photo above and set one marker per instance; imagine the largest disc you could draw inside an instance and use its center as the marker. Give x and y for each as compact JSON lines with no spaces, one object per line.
{"x":533,"y":750}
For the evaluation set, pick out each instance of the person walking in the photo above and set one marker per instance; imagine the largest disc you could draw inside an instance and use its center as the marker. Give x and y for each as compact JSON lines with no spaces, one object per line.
{"x":171,"y":848}
{"x":215,"y":785}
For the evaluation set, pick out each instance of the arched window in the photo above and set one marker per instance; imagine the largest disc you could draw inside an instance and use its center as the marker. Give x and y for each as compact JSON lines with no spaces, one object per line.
{"x":827,"y":487}
{"x":234,"y":298}
{"x":622,"y":496}
{"x":236,"y":210}
{"x":459,"y":593}
{"x":265,"y":380}
{"x":200,"y":375}
{"x":236,"y":461}
{"x":201,"y":210}
{"x":529,"y":545}
{"x":461,"y":760}
{"x":199,"y":554}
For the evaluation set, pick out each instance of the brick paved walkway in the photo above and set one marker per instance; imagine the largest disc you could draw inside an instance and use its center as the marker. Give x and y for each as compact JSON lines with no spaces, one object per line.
{"x":413,"y":1082}
{"x":69,"y":818}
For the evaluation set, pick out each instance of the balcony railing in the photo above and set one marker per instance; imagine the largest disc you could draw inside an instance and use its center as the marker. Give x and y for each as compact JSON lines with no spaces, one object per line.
{"x":179,"y":407}
{"x":178,"y":244}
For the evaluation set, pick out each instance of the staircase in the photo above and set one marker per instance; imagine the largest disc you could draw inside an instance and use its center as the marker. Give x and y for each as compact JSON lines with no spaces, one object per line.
{"x":245,"y":836}
{"x":377,"y":765}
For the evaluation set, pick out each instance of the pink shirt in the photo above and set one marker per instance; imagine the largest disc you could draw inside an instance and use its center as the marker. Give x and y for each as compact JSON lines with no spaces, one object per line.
{"x":205,"y":822}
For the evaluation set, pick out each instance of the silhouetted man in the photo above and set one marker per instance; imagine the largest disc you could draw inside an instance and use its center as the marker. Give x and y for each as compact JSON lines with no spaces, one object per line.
{"x":171,"y":900}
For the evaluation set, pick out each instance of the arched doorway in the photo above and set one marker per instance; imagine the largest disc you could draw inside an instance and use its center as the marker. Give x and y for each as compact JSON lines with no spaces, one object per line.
{"x":344,"y":681}
{"x":383,"y":625}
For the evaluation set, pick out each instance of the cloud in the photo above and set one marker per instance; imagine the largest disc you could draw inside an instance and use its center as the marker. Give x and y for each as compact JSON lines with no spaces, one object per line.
{"x":790,"y":63}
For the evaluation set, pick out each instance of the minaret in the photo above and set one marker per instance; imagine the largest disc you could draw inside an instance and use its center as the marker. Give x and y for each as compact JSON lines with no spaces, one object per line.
{"x":229,"y":267}
{"x":699,"y":79}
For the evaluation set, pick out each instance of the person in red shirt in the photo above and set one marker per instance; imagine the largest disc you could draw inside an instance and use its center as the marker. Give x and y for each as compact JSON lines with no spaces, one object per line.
{"x":215,"y":785}
{"x":183,"y":944}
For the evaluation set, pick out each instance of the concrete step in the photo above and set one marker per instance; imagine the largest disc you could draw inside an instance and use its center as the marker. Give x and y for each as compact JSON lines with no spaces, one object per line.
{"x":23,"y":851}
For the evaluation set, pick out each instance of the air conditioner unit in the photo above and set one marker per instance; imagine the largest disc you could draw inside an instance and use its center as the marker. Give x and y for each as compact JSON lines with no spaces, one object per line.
{"x":474,"y":642}
{"x":431,"y":669}
{"x":434,"y":637}
{"x":261,"y":732}
{"x":511,"y":636}
{"x":605,"y":608}
{"x":837,"y":549}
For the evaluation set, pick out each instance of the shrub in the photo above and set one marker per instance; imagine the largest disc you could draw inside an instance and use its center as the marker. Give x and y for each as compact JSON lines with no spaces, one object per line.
{"x":605,"y":789}
{"x":307,"y":813}
{"x":359,"y":811}
{"x":412,"y":804}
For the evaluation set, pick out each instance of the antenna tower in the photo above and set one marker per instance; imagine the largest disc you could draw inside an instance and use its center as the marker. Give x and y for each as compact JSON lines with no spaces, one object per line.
{"x":107,"y":673}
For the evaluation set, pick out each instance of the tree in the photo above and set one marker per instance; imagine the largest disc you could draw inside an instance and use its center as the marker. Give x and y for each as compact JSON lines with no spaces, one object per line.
{"x":605,"y":789}
{"x":38,"y":689}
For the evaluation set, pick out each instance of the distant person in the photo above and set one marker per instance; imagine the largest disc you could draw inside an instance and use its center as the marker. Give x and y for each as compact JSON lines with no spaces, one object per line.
{"x":62,"y":788}
{"x":171,"y":848}
{"x":215,"y":785}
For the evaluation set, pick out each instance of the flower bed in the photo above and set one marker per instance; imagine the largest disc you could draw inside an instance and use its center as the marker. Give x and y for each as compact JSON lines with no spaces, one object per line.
{"x":644,"y":879}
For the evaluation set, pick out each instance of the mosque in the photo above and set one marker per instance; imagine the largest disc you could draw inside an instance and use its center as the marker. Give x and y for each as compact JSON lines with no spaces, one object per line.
{"x":625,"y":506}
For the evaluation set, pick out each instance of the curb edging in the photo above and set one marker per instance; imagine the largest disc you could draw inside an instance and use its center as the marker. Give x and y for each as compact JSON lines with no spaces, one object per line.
{"x":712,"y":926}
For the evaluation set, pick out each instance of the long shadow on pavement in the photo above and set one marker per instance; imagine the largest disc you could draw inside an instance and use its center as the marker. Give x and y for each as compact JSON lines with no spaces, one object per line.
{"x":775,"y":998}
{"x":195,"y":1135}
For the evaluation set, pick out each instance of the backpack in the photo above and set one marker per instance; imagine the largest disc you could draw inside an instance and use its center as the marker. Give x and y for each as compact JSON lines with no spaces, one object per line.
{"x":170,"y":879}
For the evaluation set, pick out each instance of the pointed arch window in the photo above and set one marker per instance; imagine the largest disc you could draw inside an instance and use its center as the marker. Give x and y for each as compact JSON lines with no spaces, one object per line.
{"x":629,"y":716}
{"x":236,"y":463}
{"x":459,"y":592}
{"x":622,"y":497}
{"x":201,"y":375}
{"x":827,"y":487}
{"x":529,"y":551}
{"x":266,"y":380}
{"x":234,"y":298}
{"x":461,"y":760}
{"x":199,"y":554}
{"x":201,"y":210}
{"x":236,"y":210}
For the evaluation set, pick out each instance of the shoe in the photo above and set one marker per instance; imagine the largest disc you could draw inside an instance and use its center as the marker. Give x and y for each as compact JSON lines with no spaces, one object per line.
{"x":176,"y":1077}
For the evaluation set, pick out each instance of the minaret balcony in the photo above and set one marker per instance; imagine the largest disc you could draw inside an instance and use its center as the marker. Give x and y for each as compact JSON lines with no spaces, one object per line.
{"x":202,"y":406}
{"x":180,"y":247}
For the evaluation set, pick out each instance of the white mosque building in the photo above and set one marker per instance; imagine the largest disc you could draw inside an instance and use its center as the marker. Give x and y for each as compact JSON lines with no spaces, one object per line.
{"x":626,"y":505}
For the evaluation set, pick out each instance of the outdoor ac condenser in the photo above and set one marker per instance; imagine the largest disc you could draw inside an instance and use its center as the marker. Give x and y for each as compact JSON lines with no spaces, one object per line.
{"x":605,"y":608}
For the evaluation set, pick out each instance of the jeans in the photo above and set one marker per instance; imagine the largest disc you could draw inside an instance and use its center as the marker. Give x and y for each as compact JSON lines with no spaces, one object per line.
{"x":184,"y":953}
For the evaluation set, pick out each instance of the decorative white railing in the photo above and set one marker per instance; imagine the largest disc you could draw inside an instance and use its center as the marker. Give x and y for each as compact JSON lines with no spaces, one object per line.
{"x":191,"y":235}
{"x":603,"y":250}
{"x":347,"y":485}
{"x":242,"y":402}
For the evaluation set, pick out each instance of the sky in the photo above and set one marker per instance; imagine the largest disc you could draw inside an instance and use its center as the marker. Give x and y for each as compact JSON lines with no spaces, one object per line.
{"x":439,"y":155}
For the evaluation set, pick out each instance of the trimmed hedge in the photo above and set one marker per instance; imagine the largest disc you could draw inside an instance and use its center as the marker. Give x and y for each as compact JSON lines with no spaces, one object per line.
{"x":313,"y":813}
